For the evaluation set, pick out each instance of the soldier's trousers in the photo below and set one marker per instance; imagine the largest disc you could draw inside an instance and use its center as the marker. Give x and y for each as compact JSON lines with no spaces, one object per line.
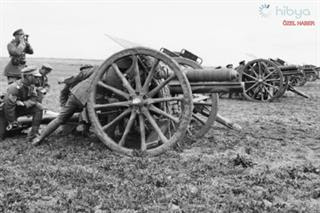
{"x":35,"y":111}
{"x":72,"y":106}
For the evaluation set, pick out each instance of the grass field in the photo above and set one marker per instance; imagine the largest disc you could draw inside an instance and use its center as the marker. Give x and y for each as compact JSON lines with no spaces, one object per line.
{"x":273,"y":165}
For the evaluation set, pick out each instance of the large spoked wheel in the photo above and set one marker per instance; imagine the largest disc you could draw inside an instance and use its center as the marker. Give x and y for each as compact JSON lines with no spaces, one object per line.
{"x":263,"y":80}
{"x":130,"y":105}
{"x":205,"y":105}
{"x":311,"y":76}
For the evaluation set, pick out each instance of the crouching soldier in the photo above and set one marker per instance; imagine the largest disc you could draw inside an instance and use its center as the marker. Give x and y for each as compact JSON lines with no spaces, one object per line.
{"x":76,"y":102}
{"x":21,"y":99}
{"x":42,"y":84}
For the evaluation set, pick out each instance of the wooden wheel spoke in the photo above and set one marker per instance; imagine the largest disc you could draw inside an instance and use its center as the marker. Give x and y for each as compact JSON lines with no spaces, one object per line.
{"x":116,"y":120}
{"x":265,"y":66}
{"x":274,"y":71}
{"x":250,"y":76}
{"x":270,"y":85}
{"x":260,"y":69}
{"x":154,"y":91}
{"x":123,"y":79}
{"x":269,"y":93}
{"x":114,"y":90}
{"x":252,"y":70}
{"x":128,"y":128}
{"x":148,"y":80}
{"x":137,"y":74}
{"x":252,"y":86}
{"x":116,"y":104}
{"x":165,"y":114}
{"x":155,"y":126}
{"x":165,"y":99}
{"x":256,"y":91}
{"x":142,"y":132}
{"x":274,"y":79}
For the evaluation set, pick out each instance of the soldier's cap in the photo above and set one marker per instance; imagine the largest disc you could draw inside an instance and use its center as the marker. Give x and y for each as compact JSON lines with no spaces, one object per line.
{"x":18,"y":32}
{"x":242,"y":62}
{"x":229,"y":65}
{"x":85,"y":66}
{"x":47,"y":66}
{"x":31,"y":70}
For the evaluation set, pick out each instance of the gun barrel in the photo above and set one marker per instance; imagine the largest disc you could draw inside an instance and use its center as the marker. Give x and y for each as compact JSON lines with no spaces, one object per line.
{"x":208,"y":87}
{"x":211,"y":74}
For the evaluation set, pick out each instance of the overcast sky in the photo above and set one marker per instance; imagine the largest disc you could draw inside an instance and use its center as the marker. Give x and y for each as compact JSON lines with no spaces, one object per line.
{"x":221,"y":32}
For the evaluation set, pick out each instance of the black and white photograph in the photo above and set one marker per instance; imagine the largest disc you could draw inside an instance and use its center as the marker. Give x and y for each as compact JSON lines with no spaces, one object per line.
{"x":138,"y":106}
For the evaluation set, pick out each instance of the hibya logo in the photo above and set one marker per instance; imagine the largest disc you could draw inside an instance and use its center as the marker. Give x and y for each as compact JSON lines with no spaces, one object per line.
{"x":292,"y":12}
{"x":265,"y":10}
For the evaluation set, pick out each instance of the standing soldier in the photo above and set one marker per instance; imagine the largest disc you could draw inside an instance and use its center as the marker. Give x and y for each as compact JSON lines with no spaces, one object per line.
{"x":21,"y":99}
{"x":42,"y":81}
{"x":17,"y":48}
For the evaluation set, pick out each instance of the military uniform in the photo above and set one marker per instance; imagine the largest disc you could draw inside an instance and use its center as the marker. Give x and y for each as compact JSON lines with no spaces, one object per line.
{"x":17,"y":51}
{"x":21,"y":99}
{"x":42,"y":82}
{"x":77,"y":100}
{"x":85,"y":72}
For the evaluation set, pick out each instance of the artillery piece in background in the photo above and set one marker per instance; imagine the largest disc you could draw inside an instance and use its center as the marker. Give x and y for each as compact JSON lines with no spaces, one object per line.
{"x":262,"y":80}
{"x":265,"y":80}
{"x":141,"y":101}
{"x":311,"y":73}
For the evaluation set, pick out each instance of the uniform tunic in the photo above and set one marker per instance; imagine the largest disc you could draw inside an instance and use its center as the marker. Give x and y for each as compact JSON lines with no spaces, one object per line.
{"x":18,"y":91}
{"x":17,"y":51}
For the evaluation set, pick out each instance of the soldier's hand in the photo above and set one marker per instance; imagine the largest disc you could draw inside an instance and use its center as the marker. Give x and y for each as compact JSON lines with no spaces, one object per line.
{"x":40,"y":106}
{"x":21,"y":39}
{"x":19,"y":103}
{"x":12,"y":125}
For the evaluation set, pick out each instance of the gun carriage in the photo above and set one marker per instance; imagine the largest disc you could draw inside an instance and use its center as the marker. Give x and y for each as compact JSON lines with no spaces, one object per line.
{"x":141,"y":100}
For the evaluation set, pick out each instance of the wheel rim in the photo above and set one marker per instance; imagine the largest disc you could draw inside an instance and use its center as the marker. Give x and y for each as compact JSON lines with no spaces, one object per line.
{"x":263,"y":80}
{"x":138,"y":112}
{"x":205,"y":106}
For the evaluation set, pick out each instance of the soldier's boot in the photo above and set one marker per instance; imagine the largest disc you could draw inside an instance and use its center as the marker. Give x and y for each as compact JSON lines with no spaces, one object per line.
{"x":34,"y":132}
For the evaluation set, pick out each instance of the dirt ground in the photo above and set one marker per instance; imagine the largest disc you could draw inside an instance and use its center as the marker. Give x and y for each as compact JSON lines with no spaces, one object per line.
{"x":273,"y":165}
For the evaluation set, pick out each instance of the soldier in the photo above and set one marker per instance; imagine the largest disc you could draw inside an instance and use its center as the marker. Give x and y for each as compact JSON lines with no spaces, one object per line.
{"x":76,"y":102}
{"x":17,"y":48}
{"x":21,"y":99}
{"x":85,"y":72}
{"x":42,"y":81}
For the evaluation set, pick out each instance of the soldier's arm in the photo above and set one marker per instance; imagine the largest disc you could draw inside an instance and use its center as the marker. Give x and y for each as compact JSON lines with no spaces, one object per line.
{"x":28,"y":49}
{"x":64,"y":95}
{"x":16,"y":50}
{"x":32,"y":101}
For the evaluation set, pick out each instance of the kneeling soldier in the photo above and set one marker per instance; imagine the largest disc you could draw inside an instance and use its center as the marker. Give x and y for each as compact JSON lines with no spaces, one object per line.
{"x":21,"y":99}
